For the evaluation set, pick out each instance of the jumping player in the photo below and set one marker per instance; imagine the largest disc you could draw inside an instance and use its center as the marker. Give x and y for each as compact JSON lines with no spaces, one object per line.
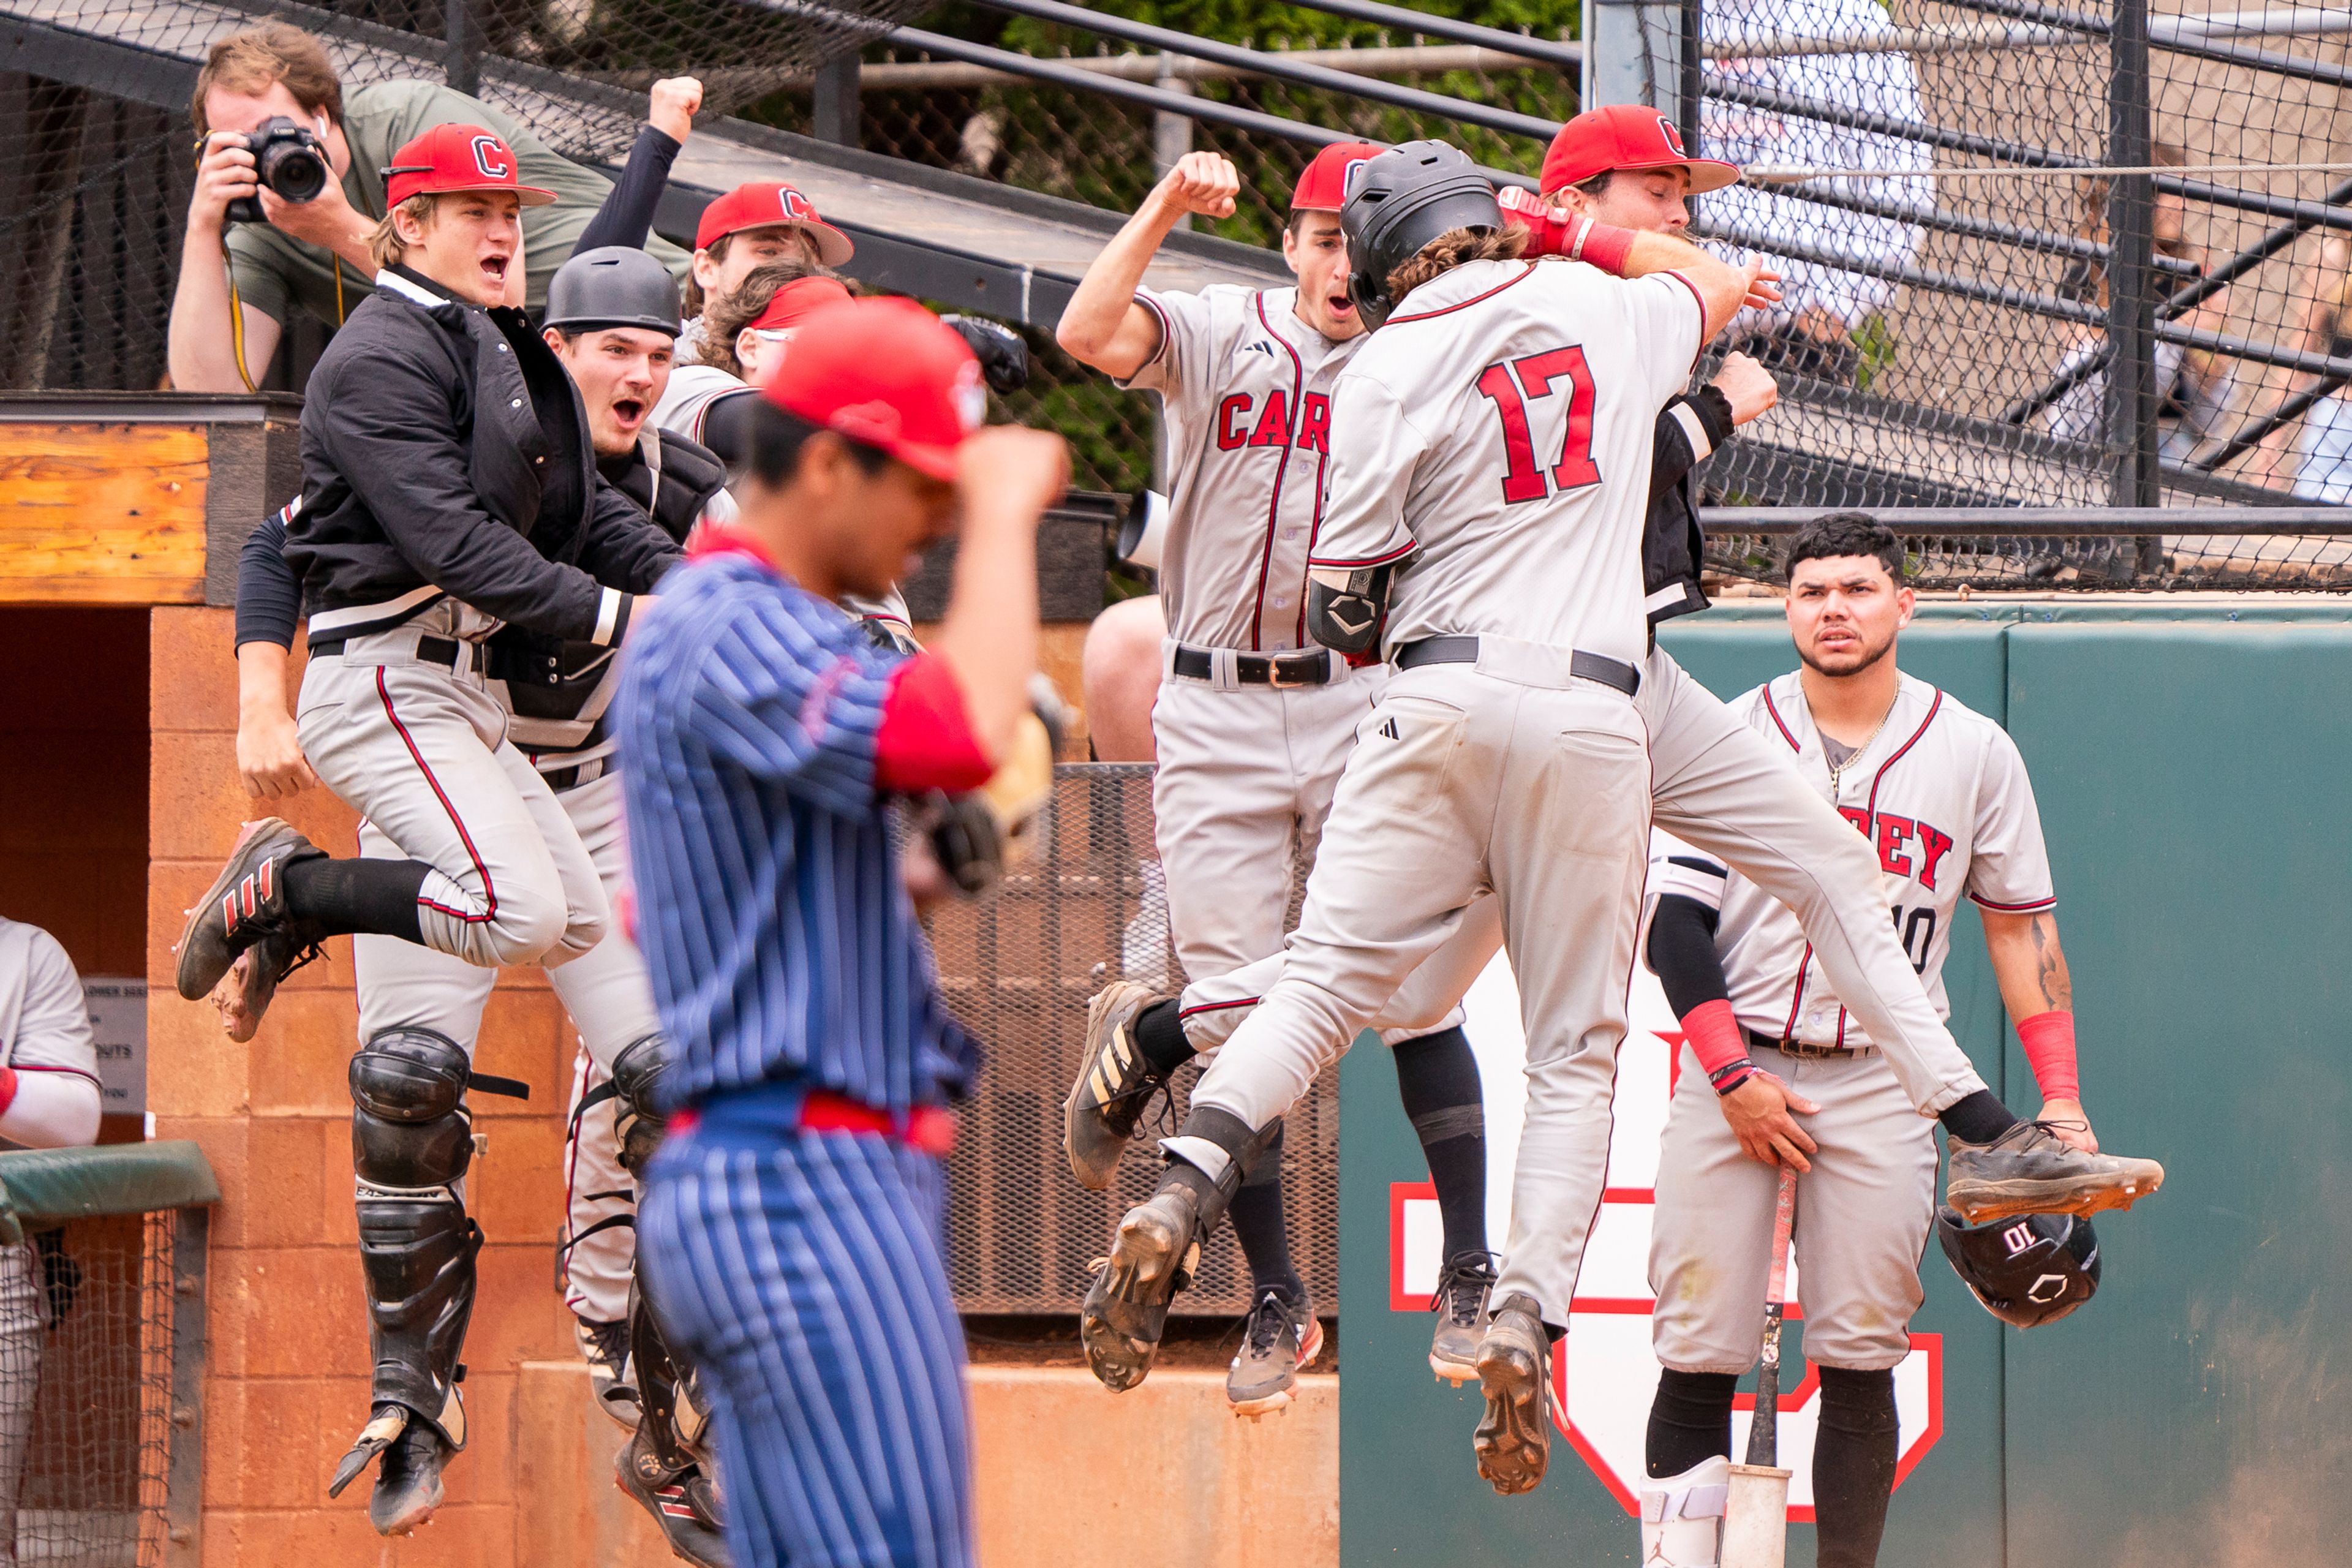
{"x":1940,"y":795}
{"x":1490,"y":458}
{"x":1254,"y":718}
{"x":790,"y":1227}
{"x":1715,"y":783}
{"x":449,"y":483}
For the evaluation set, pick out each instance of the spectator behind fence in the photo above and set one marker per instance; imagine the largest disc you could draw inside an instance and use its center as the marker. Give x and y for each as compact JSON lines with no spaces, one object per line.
{"x":2320,"y":468}
{"x":2193,"y":385}
{"x":49,"y":1099}
{"x":1813,"y":332}
{"x":275,"y":71}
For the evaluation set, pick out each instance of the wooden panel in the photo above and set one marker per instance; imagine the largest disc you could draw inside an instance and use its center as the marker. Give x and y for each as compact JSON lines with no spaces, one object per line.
{"x":102,"y":514}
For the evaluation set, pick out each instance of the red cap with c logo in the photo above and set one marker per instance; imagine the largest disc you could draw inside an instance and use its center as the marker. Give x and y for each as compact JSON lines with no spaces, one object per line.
{"x":887,"y":373}
{"x":457,"y":158}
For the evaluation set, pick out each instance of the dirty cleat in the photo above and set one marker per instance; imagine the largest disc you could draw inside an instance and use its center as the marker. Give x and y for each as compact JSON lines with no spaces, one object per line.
{"x":682,"y":1502}
{"x":605,"y":1348}
{"x":1114,"y":1086}
{"x":1460,"y":1303}
{"x":1277,"y":1343}
{"x":1514,"y":1436}
{"x":1126,"y":1306}
{"x":2031,"y":1170}
{"x":245,"y":993}
{"x":409,"y":1455}
{"x":246,"y":904}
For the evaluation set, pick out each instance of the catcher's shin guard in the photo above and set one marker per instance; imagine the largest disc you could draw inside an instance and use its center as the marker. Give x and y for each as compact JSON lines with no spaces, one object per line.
{"x":411,"y":1144}
{"x":638,"y":1120}
{"x":1157,"y":1249}
{"x":677,"y":1421}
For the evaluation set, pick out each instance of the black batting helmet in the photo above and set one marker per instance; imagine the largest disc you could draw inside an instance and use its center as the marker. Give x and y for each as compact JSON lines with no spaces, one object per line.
{"x":2032,"y":1270}
{"x":1398,"y":203}
{"x":612,"y":285}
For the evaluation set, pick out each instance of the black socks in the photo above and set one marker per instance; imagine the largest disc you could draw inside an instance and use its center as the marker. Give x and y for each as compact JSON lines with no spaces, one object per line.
{"x":357,"y":895}
{"x":1690,"y":1421}
{"x":1437,"y":1078}
{"x":1980,"y":1118}
{"x":1256,"y":1216}
{"x":1160,"y":1036}
{"x":1853,"y":1466}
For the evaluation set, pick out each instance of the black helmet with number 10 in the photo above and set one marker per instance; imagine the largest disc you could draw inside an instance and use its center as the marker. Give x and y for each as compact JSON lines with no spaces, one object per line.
{"x":1398,"y":203}
{"x":2029,"y":1270}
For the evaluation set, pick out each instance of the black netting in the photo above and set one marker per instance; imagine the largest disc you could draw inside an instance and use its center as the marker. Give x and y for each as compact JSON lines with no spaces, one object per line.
{"x":86,"y":1362}
{"x":1018,"y":967}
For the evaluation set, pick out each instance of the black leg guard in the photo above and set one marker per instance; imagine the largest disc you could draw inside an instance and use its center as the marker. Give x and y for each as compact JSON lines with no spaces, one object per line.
{"x":666,"y":1465}
{"x":638,"y":1120}
{"x":411,"y":1144}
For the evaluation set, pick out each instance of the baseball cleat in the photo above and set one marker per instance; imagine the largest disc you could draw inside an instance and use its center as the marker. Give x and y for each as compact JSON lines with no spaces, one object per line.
{"x":409,"y":1455}
{"x":1277,"y":1344}
{"x":683,"y":1502}
{"x":1514,"y":1436}
{"x":1460,"y":1303}
{"x":605,"y":1348}
{"x":1126,"y":1306}
{"x":245,"y":905}
{"x":2031,"y":1170}
{"x":1114,"y":1086}
{"x":251,"y":984}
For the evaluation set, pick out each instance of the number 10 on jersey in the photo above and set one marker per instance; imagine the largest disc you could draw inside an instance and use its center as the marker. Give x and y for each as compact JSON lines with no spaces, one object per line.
{"x":1502,"y":384}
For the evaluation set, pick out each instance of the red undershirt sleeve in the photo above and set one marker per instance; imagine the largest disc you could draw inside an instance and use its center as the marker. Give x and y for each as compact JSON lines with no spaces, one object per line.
{"x":924,"y":741}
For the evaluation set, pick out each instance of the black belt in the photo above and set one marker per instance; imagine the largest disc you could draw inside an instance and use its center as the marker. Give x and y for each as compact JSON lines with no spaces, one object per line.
{"x":1311,"y":666}
{"x":433,"y":650}
{"x":1800,"y":1048}
{"x":1464,"y":650}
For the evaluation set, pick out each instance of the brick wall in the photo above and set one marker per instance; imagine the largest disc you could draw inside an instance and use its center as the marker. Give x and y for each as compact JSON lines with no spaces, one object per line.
{"x":286,"y":1377}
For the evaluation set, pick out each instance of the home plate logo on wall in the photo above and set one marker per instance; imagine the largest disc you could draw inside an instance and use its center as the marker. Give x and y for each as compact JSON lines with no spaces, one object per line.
{"x":1608,"y":1375}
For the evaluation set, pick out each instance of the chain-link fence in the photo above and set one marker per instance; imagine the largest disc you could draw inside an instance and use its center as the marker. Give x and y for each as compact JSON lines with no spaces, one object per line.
{"x":1018,"y":967}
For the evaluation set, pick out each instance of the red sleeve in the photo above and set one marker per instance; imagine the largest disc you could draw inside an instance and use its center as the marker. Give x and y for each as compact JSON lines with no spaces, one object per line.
{"x":925,"y":741}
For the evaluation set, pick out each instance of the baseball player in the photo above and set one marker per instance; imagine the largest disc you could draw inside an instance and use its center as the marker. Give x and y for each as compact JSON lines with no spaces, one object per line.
{"x":1254,"y":718}
{"x":757,"y":223}
{"x":1939,"y":794}
{"x":612,"y":316}
{"x":1714,"y":784}
{"x":790,"y":1227}
{"x":49,"y":1098}
{"x":449,"y":485}
{"x":1490,"y":464}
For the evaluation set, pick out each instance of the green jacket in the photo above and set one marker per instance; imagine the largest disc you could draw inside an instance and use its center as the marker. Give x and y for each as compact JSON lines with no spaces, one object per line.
{"x":273,"y":271}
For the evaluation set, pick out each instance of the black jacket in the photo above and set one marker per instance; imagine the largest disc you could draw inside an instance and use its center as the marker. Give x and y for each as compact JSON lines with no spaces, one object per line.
{"x":1671,"y":545}
{"x":424,"y":460}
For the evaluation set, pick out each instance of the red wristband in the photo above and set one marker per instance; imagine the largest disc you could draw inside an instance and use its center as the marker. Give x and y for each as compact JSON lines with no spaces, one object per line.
{"x":2049,"y":1041}
{"x":1604,"y":246}
{"x":7,"y":1089}
{"x":1715,"y":1036}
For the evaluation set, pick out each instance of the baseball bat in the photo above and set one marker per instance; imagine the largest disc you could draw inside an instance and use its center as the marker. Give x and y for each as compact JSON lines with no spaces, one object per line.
{"x":1755,"y":1514}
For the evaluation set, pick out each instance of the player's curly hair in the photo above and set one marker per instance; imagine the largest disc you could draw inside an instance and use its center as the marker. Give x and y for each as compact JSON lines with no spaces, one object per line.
{"x":1456,"y":247}
{"x":723,"y":321}
{"x":1837,"y":534}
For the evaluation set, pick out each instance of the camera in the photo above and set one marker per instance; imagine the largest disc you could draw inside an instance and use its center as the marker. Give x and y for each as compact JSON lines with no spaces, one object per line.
{"x":286,"y":159}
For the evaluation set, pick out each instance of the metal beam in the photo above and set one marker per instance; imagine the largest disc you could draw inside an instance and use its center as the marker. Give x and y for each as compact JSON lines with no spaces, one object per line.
{"x":129,"y":71}
{"x":1161,"y":67}
{"x":1566,"y":56}
{"x":2052,"y":521}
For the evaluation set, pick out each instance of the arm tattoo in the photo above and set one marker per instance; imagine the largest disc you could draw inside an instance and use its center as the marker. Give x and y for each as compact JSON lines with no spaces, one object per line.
{"x":2050,"y":965}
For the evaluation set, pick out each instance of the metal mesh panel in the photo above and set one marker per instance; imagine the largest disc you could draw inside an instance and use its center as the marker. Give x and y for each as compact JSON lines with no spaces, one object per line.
{"x":1018,"y":967}
{"x":86,"y":1327}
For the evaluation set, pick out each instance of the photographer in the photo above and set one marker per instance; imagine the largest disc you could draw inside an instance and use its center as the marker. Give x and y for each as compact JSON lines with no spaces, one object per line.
{"x":313,"y":254}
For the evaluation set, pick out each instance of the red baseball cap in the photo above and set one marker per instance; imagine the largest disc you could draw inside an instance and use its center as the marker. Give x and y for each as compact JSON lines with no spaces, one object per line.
{"x":457,"y":158}
{"x":1323,"y":185}
{"x":798,"y":300}
{"x":887,"y":373}
{"x":1626,"y":136}
{"x":771,"y":204}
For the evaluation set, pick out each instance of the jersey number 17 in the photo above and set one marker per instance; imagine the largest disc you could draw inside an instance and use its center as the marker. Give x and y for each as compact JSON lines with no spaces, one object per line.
{"x":1501,"y":383}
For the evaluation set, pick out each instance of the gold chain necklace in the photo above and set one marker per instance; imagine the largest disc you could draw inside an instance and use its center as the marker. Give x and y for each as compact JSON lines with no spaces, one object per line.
{"x":1837,"y":770}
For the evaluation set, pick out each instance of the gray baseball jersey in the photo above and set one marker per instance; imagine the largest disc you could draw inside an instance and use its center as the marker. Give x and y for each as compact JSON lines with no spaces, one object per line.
{"x":1941,"y":796}
{"x":1520,"y":452}
{"x":1245,"y":392}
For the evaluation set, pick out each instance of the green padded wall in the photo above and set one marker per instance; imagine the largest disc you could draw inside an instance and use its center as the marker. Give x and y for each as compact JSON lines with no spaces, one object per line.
{"x":2187,"y":759}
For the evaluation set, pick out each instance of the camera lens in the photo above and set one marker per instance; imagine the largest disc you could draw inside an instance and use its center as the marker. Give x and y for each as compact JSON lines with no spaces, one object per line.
{"x":293,"y":169}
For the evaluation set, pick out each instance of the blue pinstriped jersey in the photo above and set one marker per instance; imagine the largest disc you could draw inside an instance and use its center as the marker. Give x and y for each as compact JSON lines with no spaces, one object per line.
{"x":782,"y":946}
